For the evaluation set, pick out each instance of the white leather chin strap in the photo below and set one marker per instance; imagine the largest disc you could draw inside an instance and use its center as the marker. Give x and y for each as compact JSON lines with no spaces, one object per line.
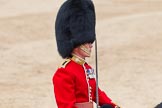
{"x":82,"y":47}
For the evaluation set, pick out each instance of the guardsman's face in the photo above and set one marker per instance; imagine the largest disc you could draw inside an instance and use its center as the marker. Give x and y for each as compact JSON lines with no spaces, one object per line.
{"x":83,"y":50}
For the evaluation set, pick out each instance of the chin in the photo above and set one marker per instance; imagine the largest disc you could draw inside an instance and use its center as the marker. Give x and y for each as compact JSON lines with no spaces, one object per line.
{"x":88,"y":56}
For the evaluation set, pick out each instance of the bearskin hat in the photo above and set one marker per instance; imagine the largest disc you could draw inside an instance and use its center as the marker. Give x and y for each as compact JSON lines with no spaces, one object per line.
{"x":75,"y":25}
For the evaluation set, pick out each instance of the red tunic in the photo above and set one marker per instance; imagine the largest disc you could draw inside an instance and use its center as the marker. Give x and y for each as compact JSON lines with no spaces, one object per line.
{"x":71,"y":85}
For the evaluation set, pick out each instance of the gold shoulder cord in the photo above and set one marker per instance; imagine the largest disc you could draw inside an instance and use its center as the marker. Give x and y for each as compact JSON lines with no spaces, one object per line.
{"x":66,"y":61}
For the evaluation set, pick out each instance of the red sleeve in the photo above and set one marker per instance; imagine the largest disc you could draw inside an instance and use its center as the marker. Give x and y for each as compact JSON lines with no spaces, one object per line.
{"x":104,"y":99}
{"x":64,"y":89}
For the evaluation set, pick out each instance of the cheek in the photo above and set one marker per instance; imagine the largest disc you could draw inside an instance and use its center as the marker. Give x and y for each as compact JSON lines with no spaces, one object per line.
{"x":80,"y":51}
{"x":83,"y":53}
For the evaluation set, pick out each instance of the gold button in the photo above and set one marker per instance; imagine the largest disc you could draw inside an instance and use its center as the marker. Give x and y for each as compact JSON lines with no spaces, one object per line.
{"x":90,"y":87}
{"x":90,"y":91}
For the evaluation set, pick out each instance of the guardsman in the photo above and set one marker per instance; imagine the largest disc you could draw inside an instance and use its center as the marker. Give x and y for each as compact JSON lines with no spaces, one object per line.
{"x":74,"y":82}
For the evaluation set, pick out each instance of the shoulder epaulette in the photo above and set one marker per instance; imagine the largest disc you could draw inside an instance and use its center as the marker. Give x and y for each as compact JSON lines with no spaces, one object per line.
{"x":66,"y":61}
